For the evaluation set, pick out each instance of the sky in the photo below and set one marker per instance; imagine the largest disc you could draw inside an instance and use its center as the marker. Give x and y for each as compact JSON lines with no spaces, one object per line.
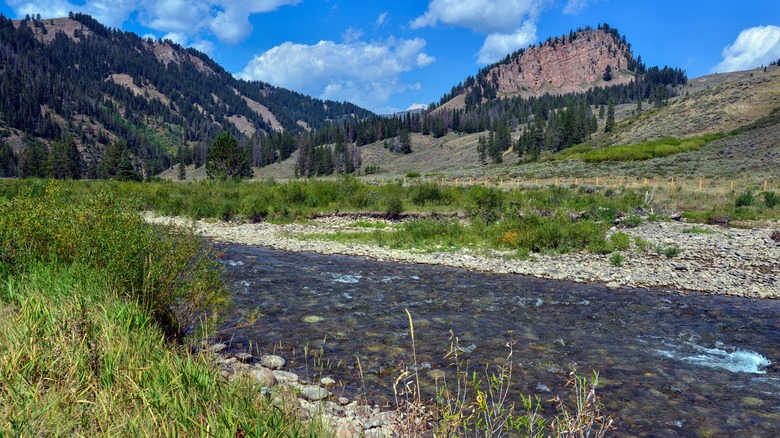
{"x":390,"y":56}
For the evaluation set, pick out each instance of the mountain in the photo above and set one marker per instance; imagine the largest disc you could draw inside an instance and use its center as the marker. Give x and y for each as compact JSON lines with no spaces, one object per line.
{"x":74,"y":82}
{"x":569,"y":64}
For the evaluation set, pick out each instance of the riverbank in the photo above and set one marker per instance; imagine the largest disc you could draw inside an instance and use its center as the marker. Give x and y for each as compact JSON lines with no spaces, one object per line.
{"x":705,"y":258}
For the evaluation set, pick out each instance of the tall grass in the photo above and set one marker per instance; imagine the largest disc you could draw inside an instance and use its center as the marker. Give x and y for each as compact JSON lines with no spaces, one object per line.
{"x":166,"y":271}
{"x":90,"y":296}
{"x":78,"y":359}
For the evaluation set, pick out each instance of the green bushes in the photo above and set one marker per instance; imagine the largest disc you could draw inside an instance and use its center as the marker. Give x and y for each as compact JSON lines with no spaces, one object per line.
{"x":168,"y":272}
{"x":636,"y":152}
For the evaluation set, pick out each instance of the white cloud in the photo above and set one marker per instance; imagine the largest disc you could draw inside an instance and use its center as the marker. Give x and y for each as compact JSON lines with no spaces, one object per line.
{"x":754,"y":46}
{"x":574,"y":7}
{"x":366,"y":73}
{"x":508,"y":24}
{"x":482,"y":16}
{"x":381,"y":19}
{"x":498,"y":45}
{"x":417,"y":106}
{"x":351,"y":35}
{"x":227,"y":20}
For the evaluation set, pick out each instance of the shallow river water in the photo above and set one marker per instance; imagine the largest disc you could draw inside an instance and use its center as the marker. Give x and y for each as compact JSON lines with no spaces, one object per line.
{"x":670,"y":364}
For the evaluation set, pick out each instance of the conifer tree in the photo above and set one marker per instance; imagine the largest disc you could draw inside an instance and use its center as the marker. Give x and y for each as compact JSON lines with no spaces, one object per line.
{"x":225,"y":159}
{"x":610,"y":116}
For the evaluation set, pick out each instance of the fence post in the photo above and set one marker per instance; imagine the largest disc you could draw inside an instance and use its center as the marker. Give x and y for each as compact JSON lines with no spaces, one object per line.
{"x":700,"y":183}
{"x":764,"y":185}
{"x":672,"y":181}
{"x":732,"y":186}
{"x":597,"y":182}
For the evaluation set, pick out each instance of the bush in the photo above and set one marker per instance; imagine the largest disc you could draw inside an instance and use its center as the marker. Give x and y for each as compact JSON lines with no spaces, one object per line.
{"x":413,"y":175}
{"x":620,"y":241}
{"x":616,"y":259}
{"x":771,"y":200}
{"x":394,"y":206}
{"x":169,"y":272}
{"x":671,"y":251}
{"x":745,"y":199}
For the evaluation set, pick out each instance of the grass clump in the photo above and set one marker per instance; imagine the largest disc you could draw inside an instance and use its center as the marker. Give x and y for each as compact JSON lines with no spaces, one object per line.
{"x":616,"y":259}
{"x":745,"y":199}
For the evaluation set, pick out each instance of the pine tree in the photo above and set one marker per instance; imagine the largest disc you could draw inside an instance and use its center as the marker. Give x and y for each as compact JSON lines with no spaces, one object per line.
{"x":225,"y":159}
{"x":125,"y":170}
{"x":610,"y":116}
{"x":8,"y":161}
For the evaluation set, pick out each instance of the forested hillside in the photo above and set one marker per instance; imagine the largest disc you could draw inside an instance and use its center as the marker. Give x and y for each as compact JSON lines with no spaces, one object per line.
{"x":545,"y":94}
{"x":77,"y":95}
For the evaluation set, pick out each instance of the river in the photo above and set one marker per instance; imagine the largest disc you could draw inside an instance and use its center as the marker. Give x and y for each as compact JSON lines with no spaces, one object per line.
{"x":670,"y":363}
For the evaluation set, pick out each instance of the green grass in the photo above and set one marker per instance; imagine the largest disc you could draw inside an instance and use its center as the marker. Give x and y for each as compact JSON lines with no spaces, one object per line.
{"x":636,"y":152}
{"x":90,"y":299}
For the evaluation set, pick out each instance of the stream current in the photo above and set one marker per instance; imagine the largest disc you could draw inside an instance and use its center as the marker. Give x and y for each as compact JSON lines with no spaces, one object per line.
{"x":670,"y":363}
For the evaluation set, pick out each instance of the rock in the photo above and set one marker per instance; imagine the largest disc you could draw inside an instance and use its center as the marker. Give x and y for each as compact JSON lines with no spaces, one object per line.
{"x":327,"y":382}
{"x":272,"y":361}
{"x":613,"y":285}
{"x":343,"y":401}
{"x":244,"y":357}
{"x":314,"y":393}
{"x":348,"y":430}
{"x":263,"y":376}
{"x":680,"y":267}
{"x":285,"y":377}
{"x":312,"y":319}
{"x":217,"y":348}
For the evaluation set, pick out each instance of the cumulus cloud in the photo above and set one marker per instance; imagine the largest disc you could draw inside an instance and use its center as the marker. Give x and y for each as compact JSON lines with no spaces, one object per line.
{"x":366,"y":73}
{"x":227,"y":20}
{"x":753,"y":47}
{"x":482,"y":16}
{"x":508,"y":24}
{"x":497,"y":45}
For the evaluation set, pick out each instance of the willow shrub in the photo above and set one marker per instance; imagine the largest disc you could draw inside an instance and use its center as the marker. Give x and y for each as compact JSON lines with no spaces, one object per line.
{"x":169,"y":272}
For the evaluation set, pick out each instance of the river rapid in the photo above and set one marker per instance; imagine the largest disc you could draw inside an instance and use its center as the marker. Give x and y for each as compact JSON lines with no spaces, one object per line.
{"x":670,"y":364}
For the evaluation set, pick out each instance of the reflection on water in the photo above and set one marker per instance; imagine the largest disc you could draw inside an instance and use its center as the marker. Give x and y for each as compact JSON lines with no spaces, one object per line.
{"x":670,"y":365}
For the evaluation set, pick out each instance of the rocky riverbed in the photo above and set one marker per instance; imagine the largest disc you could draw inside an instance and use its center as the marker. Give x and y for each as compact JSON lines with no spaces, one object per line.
{"x":673,"y":255}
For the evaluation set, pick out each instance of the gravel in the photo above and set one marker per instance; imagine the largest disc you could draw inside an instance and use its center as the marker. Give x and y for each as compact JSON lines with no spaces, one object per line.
{"x":712,"y":259}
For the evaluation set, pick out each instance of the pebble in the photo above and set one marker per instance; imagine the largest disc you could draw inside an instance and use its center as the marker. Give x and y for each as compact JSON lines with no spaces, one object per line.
{"x":244,"y":357}
{"x":315,"y":393}
{"x":272,"y":361}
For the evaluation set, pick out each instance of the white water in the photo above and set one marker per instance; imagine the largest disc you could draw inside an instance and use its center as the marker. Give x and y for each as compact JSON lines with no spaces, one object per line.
{"x":722,"y":356}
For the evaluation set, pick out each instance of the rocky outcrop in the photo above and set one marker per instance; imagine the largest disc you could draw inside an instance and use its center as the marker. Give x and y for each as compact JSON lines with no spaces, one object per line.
{"x":565,"y":65}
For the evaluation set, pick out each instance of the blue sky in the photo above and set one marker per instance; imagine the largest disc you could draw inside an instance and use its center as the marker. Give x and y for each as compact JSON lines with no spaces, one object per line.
{"x":392,"y":55}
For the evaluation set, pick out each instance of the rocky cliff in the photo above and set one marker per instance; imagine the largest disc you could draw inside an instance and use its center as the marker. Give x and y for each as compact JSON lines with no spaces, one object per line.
{"x":565,"y":65}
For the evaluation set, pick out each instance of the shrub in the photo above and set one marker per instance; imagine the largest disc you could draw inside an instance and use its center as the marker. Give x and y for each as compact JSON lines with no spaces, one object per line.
{"x":394,"y":206}
{"x":169,"y":272}
{"x":771,"y":199}
{"x":671,"y":251}
{"x":484,"y":204}
{"x":620,"y":241}
{"x":616,"y":259}
{"x":745,"y":199}
{"x":413,"y":175}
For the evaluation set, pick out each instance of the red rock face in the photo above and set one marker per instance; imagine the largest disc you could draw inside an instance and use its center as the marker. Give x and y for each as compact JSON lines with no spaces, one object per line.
{"x":565,"y":67}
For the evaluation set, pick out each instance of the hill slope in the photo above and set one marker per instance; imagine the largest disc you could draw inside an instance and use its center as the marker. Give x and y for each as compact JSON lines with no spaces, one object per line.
{"x":73,"y":77}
